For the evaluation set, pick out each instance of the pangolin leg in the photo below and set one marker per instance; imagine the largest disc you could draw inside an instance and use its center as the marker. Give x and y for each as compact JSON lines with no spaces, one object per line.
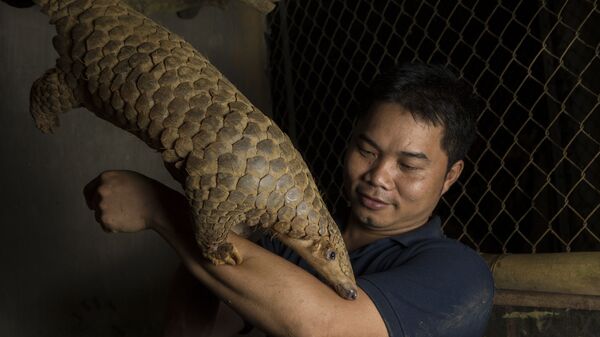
{"x":225,"y":253}
{"x":212,"y":237}
{"x":50,"y":96}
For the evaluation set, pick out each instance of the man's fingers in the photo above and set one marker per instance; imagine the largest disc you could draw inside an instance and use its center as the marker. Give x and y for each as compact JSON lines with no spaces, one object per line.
{"x":98,"y":217}
{"x":90,"y":192}
{"x":99,"y":197}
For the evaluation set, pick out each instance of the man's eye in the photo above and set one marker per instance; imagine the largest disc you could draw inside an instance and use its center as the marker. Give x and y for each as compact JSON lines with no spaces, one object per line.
{"x":365,"y":153}
{"x":408,"y":167}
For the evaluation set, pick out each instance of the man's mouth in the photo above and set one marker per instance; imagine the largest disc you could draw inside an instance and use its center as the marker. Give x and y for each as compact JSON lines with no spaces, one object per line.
{"x":370,"y":202}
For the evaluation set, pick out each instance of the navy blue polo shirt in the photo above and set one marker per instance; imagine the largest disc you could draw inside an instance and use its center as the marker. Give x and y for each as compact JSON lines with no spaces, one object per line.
{"x":422,"y":283}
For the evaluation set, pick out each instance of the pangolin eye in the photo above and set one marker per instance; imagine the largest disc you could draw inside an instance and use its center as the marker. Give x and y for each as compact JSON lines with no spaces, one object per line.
{"x":331,"y":255}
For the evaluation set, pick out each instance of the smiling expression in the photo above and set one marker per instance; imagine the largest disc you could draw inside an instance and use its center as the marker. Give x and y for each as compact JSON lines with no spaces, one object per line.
{"x":396,"y":170}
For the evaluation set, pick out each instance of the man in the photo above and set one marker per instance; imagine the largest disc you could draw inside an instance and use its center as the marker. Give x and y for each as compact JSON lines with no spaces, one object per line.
{"x":406,"y":152}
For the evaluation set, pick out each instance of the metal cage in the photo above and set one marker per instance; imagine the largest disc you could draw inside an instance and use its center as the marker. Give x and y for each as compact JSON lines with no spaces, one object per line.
{"x":532,"y":178}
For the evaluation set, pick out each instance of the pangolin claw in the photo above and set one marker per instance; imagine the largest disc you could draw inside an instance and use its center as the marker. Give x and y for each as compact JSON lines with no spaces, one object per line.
{"x":225,"y":253}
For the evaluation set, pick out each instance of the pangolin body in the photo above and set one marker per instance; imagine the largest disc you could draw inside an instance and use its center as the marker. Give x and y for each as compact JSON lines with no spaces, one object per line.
{"x":236,"y":166}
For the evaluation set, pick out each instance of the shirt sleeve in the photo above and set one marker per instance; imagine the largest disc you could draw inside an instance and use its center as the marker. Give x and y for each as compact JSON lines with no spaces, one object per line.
{"x":443,"y":290}
{"x":278,"y":248}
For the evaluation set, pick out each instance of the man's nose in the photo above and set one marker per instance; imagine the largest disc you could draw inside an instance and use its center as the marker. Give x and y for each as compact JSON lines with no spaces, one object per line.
{"x":379,"y":174}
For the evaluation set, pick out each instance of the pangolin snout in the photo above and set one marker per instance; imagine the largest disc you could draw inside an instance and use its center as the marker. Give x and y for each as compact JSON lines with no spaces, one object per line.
{"x":346,"y":290}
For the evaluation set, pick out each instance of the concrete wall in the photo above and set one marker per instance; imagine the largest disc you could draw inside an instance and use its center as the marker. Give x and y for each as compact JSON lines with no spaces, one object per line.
{"x":61,"y":275}
{"x":510,"y":321}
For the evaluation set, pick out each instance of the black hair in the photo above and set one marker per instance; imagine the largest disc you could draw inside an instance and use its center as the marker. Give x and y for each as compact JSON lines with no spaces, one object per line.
{"x":432,"y":94}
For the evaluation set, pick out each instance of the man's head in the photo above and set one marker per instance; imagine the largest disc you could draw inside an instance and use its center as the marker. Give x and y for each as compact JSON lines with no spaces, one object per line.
{"x":434,"y":95}
{"x":407,"y":148}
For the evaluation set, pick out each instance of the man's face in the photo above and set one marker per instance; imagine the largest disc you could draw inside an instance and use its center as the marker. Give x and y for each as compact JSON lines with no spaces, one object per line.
{"x":396,"y":170}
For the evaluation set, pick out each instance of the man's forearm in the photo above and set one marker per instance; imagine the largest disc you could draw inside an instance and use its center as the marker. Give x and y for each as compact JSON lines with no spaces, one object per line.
{"x":275,"y":295}
{"x":192,"y":309}
{"x":265,"y":289}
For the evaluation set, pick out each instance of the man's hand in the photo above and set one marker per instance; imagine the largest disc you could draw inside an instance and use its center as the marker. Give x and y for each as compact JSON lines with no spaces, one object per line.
{"x":126,"y":201}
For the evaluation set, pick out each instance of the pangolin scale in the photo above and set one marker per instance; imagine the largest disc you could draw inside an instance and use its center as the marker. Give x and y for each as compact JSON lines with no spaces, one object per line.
{"x":236,"y":166}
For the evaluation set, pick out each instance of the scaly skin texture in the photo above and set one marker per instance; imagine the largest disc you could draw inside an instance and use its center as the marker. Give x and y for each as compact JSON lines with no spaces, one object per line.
{"x":236,"y":166}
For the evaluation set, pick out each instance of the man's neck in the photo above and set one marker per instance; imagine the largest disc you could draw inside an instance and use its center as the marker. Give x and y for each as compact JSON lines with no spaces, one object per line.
{"x":357,"y":234}
{"x":356,"y":237}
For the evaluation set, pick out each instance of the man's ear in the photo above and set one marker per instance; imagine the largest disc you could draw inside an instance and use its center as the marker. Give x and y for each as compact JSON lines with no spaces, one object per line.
{"x":452,"y":175}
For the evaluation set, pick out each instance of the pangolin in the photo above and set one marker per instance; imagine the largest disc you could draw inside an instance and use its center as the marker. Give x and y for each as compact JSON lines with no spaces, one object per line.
{"x":237,"y":168}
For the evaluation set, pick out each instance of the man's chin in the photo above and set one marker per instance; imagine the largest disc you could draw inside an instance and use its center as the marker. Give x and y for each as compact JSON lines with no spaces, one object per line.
{"x":369,"y":220}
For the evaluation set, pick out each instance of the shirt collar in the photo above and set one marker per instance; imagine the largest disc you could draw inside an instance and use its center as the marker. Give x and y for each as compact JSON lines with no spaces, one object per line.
{"x":430,"y":230}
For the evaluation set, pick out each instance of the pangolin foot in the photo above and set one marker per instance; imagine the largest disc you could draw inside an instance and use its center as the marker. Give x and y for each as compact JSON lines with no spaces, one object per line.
{"x":225,"y":253}
{"x":46,"y":123}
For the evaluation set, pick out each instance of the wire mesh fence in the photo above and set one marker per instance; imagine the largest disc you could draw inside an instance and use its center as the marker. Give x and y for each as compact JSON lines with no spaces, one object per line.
{"x":532,"y":178}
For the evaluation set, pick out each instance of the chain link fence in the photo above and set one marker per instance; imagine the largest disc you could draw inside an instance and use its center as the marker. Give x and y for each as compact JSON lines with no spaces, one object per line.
{"x":532,"y":178}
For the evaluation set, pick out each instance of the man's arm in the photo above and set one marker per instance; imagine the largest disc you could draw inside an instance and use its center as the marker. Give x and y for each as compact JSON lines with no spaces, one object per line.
{"x":268,"y":291}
